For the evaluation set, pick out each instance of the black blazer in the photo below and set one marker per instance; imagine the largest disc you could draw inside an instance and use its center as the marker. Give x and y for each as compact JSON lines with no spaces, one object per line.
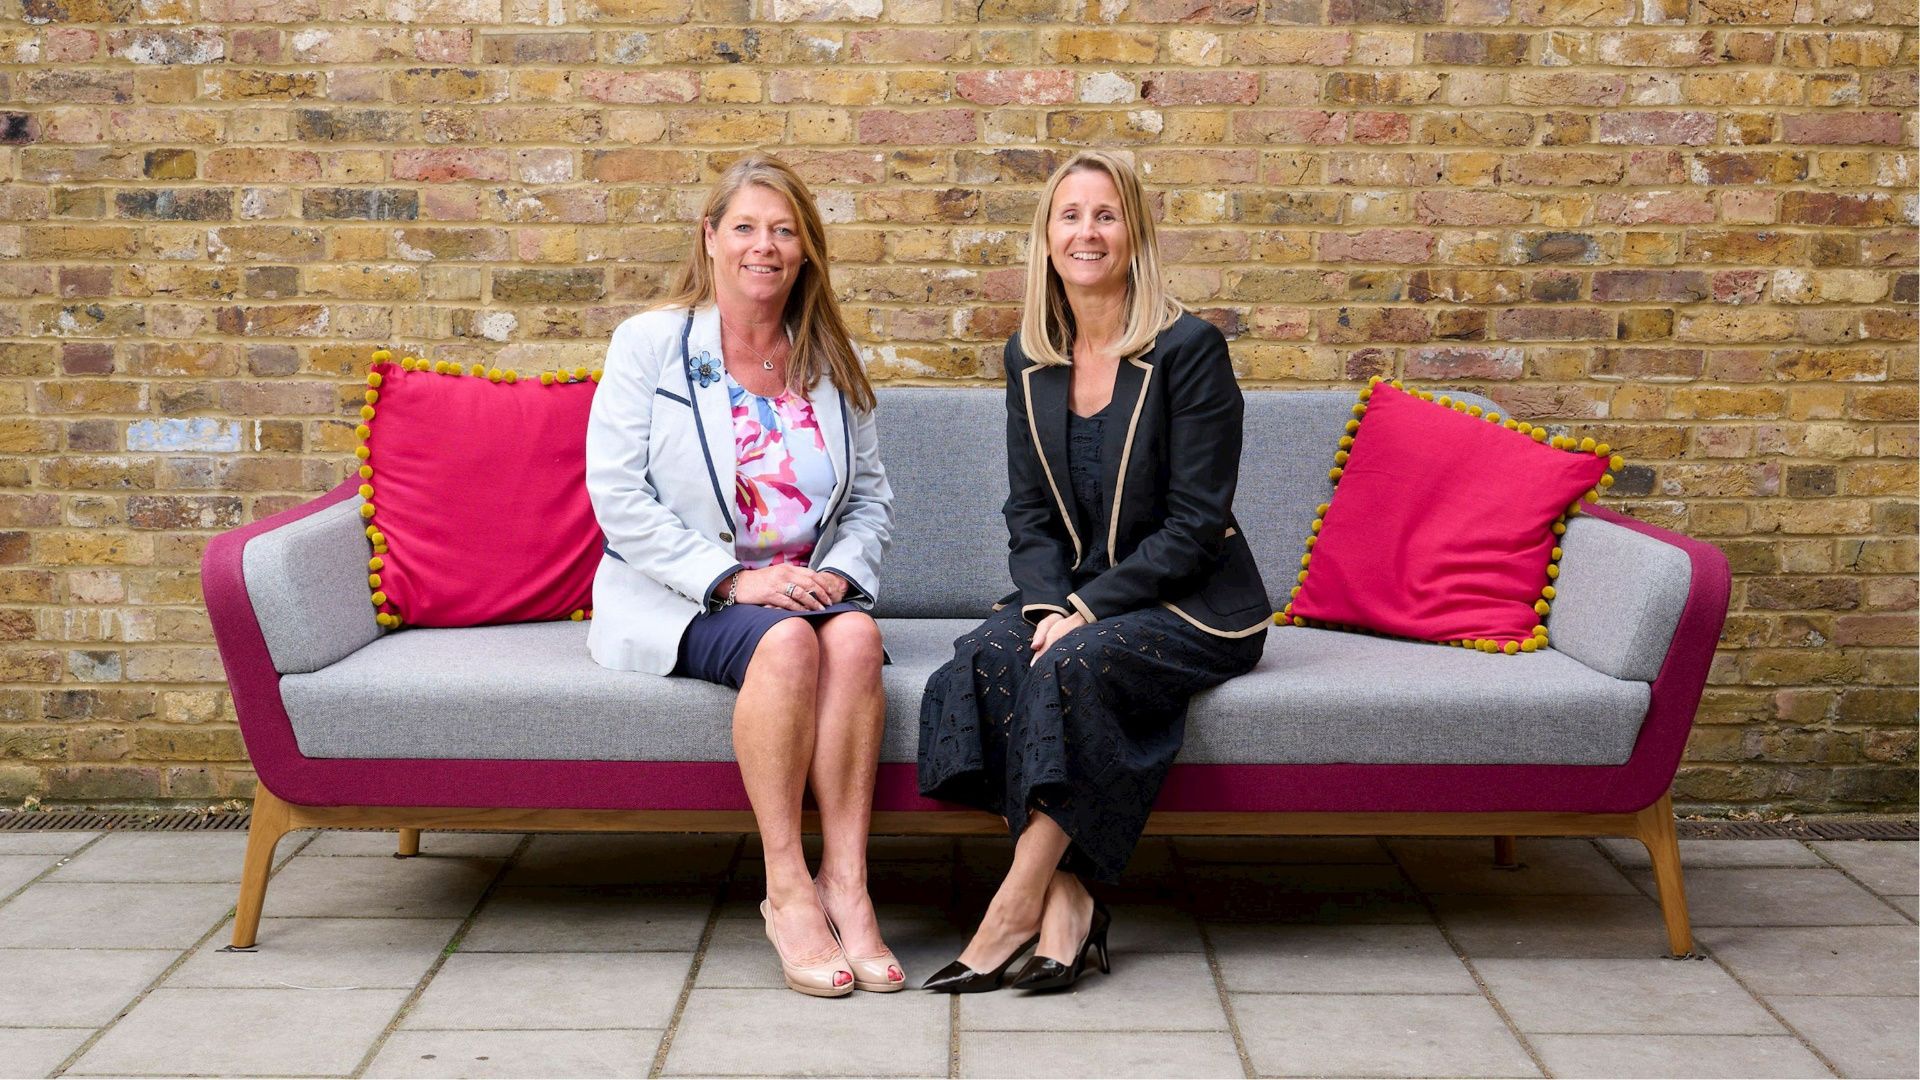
{"x":1169,"y":463}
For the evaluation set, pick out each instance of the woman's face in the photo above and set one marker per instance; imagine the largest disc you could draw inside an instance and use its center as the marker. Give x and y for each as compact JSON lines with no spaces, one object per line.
{"x":755,"y":250}
{"x":1087,"y":237}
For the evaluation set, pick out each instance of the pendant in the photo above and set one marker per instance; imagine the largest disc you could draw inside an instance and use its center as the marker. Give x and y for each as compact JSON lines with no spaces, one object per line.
{"x":768,"y":364}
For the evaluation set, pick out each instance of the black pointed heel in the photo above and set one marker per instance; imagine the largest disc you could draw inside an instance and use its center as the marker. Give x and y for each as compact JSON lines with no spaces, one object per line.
{"x":958,"y":978}
{"x":1043,"y":974}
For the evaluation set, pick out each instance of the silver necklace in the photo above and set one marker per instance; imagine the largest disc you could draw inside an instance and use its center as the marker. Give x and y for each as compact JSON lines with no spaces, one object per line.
{"x":765,"y":363}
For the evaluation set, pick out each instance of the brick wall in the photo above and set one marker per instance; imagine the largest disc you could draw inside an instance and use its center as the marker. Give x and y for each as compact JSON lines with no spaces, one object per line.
{"x":1682,"y":226}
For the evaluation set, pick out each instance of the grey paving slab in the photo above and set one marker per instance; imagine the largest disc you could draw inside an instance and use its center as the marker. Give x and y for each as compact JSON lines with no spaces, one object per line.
{"x":1655,"y":996}
{"x":1554,"y":926}
{"x":1157,"y":991}
{"x":1876,"y":960}
{"x":75,"y":987}
{"x":1908,"y":904}
{"x":1303,"y":893}
{"x":1779,"y":897}
{"x":1700,"y":854}
{"x":95,"y":916}
{"x":1546,"y":866}
{"x":1660,"y":1056}
{"x":507,"y":1054}
{"x":621,"y":859}
{"x":1377,"y":1035}
{"x":1271,"y":850}
{"x":432,"y":844}
{"x":1139,"y":927}
{"x":378,"y":888}
{"x":17,"y":870}
{"x":1890,"y":867}
{"x":902,"y":1034}
{"x":50,"y":842}
{"x":171,"y":857}
{"x":1338,"y":960}
{"x":525,"y":991}
{"x":739,"y":955}
{"x":242,"y":1032}
{"x":1098,"y":1053}
{"x":327,"y":954}
{"x":1863,"y":1036}
{"x":635,"y":919}
{"x":37,"y":1051}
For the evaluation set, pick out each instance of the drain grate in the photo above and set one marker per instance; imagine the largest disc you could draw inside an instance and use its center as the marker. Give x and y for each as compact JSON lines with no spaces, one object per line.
{"x":1799,"y":830}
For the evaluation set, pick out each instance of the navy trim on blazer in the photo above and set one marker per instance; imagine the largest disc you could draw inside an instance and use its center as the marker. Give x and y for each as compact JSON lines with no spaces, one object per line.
{"x":671,"y":396}
{"x":686,"y":361}
{"x":846,"y":451}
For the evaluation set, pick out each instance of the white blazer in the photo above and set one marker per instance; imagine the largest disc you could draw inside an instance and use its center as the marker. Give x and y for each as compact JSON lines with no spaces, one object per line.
{"x":660,"y":473}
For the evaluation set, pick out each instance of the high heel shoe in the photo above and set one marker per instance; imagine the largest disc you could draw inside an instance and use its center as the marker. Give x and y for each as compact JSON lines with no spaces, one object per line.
{"x":829,"y":979}
{"x":1044,"y":973}
{"x":878,"y":974}
{"x":958,"y":978}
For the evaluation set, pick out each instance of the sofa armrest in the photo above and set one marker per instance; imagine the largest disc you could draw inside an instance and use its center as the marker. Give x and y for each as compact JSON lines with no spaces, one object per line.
{"x":1619,"y":597}
{"x":306,"y":579}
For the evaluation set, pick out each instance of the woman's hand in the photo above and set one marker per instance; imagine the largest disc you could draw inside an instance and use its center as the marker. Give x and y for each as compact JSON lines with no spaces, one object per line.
{"x":790,"y":588}
{"x":1052,"y":629}
{"x":832,"y":586}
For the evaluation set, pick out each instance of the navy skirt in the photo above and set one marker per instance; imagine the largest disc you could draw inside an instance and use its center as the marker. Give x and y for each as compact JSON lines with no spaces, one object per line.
{"x":718,"y":645}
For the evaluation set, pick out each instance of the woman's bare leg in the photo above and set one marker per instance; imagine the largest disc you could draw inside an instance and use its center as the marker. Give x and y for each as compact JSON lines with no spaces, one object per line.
{"x":851,"y":714}
{"x":1015,"y":913}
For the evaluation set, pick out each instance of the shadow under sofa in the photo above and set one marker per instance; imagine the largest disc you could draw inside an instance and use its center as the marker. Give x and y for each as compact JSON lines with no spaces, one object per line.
{"x":514,"y":728}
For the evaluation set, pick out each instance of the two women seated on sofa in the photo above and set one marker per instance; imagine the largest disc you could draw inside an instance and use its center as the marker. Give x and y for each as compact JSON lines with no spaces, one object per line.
{"x":733,"y":463}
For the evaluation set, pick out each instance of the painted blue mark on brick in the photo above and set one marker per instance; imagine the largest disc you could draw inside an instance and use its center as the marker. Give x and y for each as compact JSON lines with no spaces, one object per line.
{"x":197,"y":433}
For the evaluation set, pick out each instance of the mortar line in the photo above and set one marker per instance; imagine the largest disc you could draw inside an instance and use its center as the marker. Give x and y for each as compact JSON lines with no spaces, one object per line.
{"x":953,"y":1005}
{"x":452,"y":946}
{"x":178,"y":962}
{"x":57,"y":864}
{"x":659,"y":1063}
{"x":1850,"y":876}
{"x":1213,"y":959}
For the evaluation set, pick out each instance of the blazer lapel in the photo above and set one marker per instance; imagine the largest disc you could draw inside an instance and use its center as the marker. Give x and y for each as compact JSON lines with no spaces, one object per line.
{"x":830,"y":412}
{"x":1048,"y":388}
{"x":1130,"y":385}
{"x":705,"y":374}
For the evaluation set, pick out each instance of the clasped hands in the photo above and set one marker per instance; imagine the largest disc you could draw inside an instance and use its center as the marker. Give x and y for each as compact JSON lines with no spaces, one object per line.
{"x":782,"y":585}
{"x":1052,"y":629}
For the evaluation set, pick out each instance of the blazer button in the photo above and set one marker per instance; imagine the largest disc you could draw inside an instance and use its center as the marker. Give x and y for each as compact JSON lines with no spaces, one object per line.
{"x":726,"y":538}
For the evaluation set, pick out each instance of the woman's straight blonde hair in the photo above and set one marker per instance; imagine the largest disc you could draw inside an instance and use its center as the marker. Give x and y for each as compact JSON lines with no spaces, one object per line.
{"x":821,"y":344}
{"x":1046,"y":324}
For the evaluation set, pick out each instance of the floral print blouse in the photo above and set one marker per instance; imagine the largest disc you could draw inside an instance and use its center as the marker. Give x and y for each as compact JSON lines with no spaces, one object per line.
{"x":782,"y":477}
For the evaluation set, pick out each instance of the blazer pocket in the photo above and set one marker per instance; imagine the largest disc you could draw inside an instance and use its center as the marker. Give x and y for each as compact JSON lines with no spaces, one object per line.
{"x":671,"y":396}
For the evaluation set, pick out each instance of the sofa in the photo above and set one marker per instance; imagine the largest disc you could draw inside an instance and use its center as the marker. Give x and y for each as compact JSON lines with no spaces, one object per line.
{"x":514,"y":728}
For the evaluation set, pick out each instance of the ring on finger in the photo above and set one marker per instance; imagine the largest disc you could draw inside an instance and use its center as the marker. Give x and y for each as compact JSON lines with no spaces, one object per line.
{"x":791,"y":585}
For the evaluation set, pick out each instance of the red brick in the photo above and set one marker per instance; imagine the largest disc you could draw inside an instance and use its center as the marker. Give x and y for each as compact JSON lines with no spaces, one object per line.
{"x":1009,"y":87}
{"x":440,"y":165}
{"x":1843,"y":128}
{"x":1201,"y":87}
{"x":936,"y":126}
{"x":1377,"y":246}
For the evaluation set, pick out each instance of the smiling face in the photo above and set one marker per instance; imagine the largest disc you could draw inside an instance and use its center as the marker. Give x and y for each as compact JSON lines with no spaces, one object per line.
{"x":1087,"y":239}
{"x":755,"y":249}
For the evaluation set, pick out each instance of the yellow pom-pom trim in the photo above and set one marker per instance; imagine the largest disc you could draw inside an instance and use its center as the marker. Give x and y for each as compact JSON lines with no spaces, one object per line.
{"x":373,"y":581}
{"x":1588,"y":444}
{"x":373,"y":533}
{"x":477,"y":369}
{"x":1353,"y":426}
{"x":1603,"y":450}
{"x":1541,"y":607}
{"x":379,"y":598}
{"x":1335,"y":473}
{"x":1529,"y":645}
{"x":1510,"y":647}
{"x":494,"y":375}
{"x":1606,"y":480}
{"x":362,"y":431}
{"x":366,"y":510}
{"x":1559,"y":528}
{"x":1366,"y":392}
{"x":371,"y":396}
{"x":578,"y":614}
{"x":1549,"y":592}
{"x":546,"y":378}
{"x":366,"y":491}
{"x":1553,"y":571}
{"x":1616,"y":462}
{"x":1340,"y":457}
{"x":366,"y":412}
{"x":1298,"y":621}
{"x":1346,"y":442}
{"x":381,"y":356}
{"x":366,"y":472}
{"x":512,"y":376}
{"x":375,"y":564}
{"x":579,"y":373}
{"x":594,"y":374}
{"x":362,"y":453}
{"x":374,"y":379}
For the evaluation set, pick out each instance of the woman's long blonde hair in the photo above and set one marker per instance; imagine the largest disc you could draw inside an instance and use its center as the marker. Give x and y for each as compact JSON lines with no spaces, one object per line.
{"x":821,"y":344}
{"x":1046,"y":324}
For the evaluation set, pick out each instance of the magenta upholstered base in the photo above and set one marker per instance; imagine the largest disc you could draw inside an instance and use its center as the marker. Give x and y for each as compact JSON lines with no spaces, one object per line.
{"x":716,"y":785}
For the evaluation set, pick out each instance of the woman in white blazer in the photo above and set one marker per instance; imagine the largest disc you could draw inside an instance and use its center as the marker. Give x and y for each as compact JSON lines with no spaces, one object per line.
{"x":733,"y":464}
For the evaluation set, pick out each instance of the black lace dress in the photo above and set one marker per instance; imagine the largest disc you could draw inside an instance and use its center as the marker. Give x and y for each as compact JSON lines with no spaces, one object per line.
{"x":1085,"y":736}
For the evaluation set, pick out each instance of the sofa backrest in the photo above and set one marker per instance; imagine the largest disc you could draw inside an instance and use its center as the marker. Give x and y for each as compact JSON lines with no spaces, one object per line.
{"x":945,"y":454}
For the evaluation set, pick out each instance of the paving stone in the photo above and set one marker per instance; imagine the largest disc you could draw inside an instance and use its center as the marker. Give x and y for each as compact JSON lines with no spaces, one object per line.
{"x":243,"y":1032}
{"x":509,"y":1054}
{"x":75,"y":987}
{"x":432,"y":844}
{"x":1736,"y":897}
{"x":1098,"y":1053}
{"x":17,"y":870}
{"x":95,"y":916}
{"x":1331,"y":894}
{"x":739,"y":955}
{"x":37,"y":1051}
{"x":1142,"y":928}
{"x":1157,"y":991}
{"x":525,"y":991}
{"x":1547,"y":866}
{"x":329,"y":954}
{"x":1700,"y":854}
{"x":648,"y":918}
{"x":1338,"y":960}
{"x":1863,"y":1036}
{"x":1889,"y":867}
{"x":377,"y":888}
{"x":1908,"y":904}
{"x":1653,"y":995}
{"x":50,"y":842}
{"x":1276,"y":850}
{"x":1879,"y":960}
{"x":902,"y":1034}
{"x":1377,"y":1035}
{"x":575,"y":860}
{"x":1661,"y":1056}
{"x":1554,"y":926}
{"x":171,"y":857}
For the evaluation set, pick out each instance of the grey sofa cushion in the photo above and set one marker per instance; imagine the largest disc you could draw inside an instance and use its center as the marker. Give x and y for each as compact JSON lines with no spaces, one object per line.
{"x":1318,"y":696}
{"x":1619,"y":598}
{"x":308,"y":584}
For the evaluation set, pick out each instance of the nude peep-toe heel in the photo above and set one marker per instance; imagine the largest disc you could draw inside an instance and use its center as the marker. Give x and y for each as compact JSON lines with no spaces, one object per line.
{"x":829,"y":979}
{"x":879,"y":974}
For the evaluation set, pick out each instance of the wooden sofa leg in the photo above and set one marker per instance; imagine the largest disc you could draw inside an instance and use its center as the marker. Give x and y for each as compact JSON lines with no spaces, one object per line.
{"x":270,"y":822}
{"x":1503,"y":856}
{"x":409,"y":844}
{"x":1662,"y":841}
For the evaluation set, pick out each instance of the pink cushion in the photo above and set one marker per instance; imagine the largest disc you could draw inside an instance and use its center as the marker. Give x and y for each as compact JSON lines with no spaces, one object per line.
{"x":1444,"y":523}
{"x":476,"y":494}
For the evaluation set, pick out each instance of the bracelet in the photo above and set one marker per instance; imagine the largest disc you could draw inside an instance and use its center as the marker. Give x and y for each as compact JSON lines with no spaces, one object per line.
{"x":733,"y":583}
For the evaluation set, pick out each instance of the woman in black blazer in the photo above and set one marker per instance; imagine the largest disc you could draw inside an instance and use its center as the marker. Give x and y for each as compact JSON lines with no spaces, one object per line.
{"x":1135,"y":589}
